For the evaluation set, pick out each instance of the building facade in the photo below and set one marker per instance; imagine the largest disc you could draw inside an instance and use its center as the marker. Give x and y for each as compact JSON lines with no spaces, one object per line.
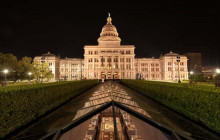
{"x":111,"y":60}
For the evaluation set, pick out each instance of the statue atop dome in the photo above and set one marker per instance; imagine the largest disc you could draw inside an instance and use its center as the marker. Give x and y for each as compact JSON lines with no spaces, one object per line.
{"x":109,"y":19}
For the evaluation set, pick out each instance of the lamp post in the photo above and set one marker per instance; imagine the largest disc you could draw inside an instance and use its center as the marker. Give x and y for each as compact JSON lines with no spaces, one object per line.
{"x":6,"y":71}
{"x":29,"y":75}
{"x":191,"y":73}
{"x":217,"y":77}
{"x":42,"y":61}
{"x":191,"y":76}
{"x":178,"y":61}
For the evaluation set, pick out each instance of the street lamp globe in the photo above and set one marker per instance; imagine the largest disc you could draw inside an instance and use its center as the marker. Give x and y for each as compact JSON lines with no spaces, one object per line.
{"x":191,"y":72}
{"x":217,"y":71}
{"x":29,"y":73}
{"x":5,"y":71}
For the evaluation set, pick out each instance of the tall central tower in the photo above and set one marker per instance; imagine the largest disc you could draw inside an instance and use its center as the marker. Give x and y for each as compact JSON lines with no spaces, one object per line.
{"x":109,"y":59}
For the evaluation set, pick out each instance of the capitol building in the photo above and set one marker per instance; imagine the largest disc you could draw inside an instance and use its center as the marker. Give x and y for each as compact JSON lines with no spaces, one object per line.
{"x":111,"y":60}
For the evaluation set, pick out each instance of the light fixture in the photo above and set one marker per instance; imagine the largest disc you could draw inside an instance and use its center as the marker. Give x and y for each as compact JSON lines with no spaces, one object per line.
{"x":5,"y":71}
{"x":218,"y":71}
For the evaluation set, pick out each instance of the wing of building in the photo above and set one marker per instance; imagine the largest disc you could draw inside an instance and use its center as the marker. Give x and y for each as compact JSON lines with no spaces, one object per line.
{"x":111,"y":60}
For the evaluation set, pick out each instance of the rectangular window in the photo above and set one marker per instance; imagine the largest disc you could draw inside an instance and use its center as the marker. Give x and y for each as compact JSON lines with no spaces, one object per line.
{"x":128,"y":66}
{"x":102,"y":59}
{"x":90,"y":59}
{"x":169,"y":69}
{"x":122,"y":67}
{"x":96,"y":60}
{"x":108,"y":59}
{"x":116,"y":66}
{"x":128,"y":52}
{"x":128,"y":59}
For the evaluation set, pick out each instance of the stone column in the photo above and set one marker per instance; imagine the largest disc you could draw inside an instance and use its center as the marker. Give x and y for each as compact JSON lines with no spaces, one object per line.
{"x":112,"y":62}
{"x":125,"y":68}
{"x":119,"y":63}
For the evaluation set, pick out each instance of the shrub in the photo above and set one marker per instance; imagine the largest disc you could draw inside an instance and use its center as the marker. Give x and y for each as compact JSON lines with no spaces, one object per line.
{"x":23,"y":103}
{"x":200,"y":103}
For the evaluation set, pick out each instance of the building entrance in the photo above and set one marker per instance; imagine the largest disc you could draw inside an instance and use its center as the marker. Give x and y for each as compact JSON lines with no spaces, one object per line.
{"x":103,"y":76}
{"x":109,"y":75}
{"x":115,"y":75}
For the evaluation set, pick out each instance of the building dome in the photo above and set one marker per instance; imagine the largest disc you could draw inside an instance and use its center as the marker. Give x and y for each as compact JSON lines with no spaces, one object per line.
{"x":109,"y":32}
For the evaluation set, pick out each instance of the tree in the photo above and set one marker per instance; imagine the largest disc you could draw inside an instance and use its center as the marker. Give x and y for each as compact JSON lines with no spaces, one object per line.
{"x":49,"y":75}
{"x":25,"y":66}
{"x":41,"y":71}
{"x":10,"y":62}
{"x":20,"y":69}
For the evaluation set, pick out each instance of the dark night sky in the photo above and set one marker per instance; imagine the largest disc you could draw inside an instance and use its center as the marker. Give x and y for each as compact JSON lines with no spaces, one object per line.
{"x":155,"y":27}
